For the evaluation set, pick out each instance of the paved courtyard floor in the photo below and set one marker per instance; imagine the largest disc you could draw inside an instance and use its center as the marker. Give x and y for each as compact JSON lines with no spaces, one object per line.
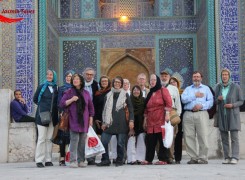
{"x":213,"y":170}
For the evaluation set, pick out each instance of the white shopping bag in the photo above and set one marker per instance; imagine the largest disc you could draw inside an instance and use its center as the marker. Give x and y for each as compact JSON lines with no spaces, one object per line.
{"x":131,"y":151}
{"x":167,"y":134}
{"x":93,"y":146}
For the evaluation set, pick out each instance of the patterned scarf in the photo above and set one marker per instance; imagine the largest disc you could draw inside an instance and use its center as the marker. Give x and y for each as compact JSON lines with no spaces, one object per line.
{"x":107,"y":112}
{"x":47,"y":83}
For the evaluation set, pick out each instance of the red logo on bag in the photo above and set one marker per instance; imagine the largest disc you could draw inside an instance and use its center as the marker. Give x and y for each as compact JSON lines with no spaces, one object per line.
{"x":92,"y":142}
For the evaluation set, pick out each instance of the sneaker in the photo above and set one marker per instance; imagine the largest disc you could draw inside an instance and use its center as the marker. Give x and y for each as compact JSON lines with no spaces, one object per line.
{"x":192,"y":161}
{"x":82,"y":164}
{"x":40,"y":165}
{"x":233,"y":161}
{"x":202,"y":161}
{"x":73,"y":165}
{"x":226,"y":161}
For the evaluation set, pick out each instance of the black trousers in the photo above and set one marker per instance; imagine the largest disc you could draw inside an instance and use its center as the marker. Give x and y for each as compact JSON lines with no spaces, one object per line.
{"x":151,"y":142}
{"x":178,"y":143}
{"x":27,"y":119}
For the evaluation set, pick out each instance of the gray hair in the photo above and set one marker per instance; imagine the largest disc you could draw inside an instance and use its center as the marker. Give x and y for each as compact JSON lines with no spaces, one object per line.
{"x":89,"y":69}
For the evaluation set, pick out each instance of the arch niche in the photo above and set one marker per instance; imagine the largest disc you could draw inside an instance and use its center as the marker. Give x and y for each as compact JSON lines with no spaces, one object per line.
{"x":128,"y":67}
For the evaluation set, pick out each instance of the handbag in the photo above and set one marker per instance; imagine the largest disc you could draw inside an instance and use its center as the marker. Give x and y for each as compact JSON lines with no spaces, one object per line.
{"x":126,"y":113}
{"x":174,"y":117}
{"x":64,"y":121}
{"x":46,"y":116}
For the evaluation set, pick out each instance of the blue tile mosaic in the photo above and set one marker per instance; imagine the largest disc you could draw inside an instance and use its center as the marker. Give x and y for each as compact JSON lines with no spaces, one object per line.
{"x":25,"y":52}
{"x":77,"y":55}
{"x":181,"y":53}
{"x":229,"y":37}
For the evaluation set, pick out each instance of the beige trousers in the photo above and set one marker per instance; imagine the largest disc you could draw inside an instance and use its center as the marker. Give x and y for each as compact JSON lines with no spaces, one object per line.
{"x":195,"y":128}
{"x":44,"y":144}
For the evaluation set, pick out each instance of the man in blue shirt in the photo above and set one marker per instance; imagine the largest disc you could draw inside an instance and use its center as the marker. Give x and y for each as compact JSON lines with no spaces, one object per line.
{"x":18,"y":108}
{"x":197,"y":99}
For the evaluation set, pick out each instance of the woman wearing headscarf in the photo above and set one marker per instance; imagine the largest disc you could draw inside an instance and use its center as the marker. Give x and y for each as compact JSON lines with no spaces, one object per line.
{"x":63,"y":137}
{"x":81,"y":111}
{"x":157,"y":106}
{"x":228,"y":97}
{"x":43,"y":98}
{"x":105,"y":87}
{"x":115,"y":122}
{"x":136,"y":151}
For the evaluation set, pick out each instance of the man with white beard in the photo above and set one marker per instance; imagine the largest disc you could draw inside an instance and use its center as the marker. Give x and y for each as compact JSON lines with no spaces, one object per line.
{"x":176,"y":104}
{"x":197,"y":99}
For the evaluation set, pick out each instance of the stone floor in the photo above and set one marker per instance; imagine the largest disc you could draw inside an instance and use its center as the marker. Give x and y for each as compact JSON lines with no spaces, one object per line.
{"x":214,"y":170}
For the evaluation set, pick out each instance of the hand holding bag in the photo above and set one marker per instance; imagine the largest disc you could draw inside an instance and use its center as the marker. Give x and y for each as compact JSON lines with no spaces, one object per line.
{"x":93,"y":145}
{"x":167,"y":134}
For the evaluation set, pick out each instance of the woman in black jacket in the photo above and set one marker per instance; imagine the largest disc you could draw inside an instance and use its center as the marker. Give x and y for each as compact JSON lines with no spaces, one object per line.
{"x":105,"y":87}
{"x":46,"y":94}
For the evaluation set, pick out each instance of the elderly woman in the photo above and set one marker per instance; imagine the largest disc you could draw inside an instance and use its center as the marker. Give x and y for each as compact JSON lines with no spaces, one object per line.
{"x":228,"y":97}
{"x":157,"y":106}
{"x":63,"y":137}
{"x":46,"y":97}
{"x":81,"y":112}
{"x":115,"y":122}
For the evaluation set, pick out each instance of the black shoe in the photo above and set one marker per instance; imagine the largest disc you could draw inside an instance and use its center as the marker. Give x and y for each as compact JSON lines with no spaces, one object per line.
{"x":91,"y":163}
{"x":40,"y":165}
{"x":48,"y":164}
{"x":114,"y":161}
{"x":177,"y":162}
{"x":119,"y":163}
{"x":103,"y":163}
{"x":62,"y":163}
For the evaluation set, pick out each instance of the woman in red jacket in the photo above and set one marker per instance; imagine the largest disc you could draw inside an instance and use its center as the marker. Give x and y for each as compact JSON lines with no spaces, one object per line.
{"x":157,"y":106}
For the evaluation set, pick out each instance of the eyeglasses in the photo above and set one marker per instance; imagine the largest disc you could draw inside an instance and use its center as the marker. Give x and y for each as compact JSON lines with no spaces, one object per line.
{"x":117,"y":82}
{"x":89,"y":74}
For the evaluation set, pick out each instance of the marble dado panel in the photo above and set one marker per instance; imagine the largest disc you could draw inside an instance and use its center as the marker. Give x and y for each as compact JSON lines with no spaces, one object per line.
{"x":229,"y":37}
{"x":113,"y":26}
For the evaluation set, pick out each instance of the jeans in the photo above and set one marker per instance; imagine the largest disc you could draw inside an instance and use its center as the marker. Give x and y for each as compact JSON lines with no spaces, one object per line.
{"x":77,"y":146}
{"x":105,"y":139}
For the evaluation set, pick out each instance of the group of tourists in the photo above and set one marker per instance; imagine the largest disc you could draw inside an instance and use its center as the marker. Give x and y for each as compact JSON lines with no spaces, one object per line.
{"x":103,"y":105}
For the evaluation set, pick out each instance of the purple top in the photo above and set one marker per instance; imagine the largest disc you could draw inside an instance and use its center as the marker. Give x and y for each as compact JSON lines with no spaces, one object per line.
{"x":18,"y":110}
{"x":73,"y":118}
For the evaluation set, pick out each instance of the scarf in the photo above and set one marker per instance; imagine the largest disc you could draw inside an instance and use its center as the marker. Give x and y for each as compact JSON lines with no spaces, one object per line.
{"x":102,"y":91}
{"x":107,"y":112}
{"x":153,"y":89}
{"x":138,"y":104}
{"x":88,"y":87}
{"x":46,"y":84}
